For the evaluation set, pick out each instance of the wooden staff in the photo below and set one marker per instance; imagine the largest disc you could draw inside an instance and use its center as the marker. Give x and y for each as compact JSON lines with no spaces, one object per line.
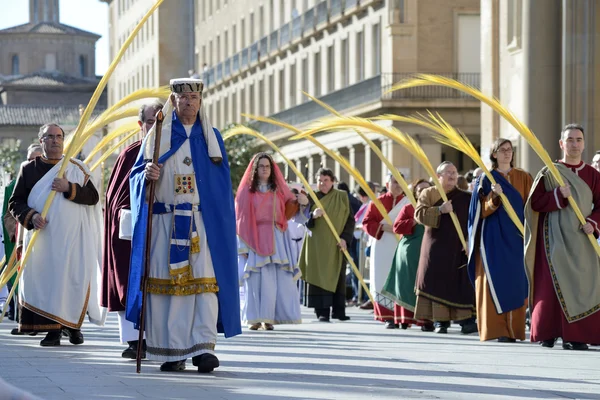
{"x":152,"y":186}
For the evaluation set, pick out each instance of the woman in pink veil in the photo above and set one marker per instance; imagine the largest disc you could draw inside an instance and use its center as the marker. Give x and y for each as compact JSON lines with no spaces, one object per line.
{"x":263,"y":199}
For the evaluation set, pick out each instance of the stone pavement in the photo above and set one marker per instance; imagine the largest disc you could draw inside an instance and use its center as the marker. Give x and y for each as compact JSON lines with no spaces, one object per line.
{"x":358,"y":359}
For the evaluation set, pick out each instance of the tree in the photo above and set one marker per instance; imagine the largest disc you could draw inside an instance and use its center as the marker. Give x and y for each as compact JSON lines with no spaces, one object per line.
{"x":240,"y":150}
{"x":10,"y":158}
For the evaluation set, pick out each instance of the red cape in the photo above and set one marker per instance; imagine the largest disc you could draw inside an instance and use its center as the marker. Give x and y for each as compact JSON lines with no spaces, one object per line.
{"x":117,"y":252}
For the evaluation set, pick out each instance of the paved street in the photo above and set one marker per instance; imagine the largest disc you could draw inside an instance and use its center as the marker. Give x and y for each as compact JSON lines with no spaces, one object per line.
{"x":358,"y":359}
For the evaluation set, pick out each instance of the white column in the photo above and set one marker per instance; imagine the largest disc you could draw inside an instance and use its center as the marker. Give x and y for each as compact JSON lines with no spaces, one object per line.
{"x":369,"y":62}
{"x":323,"y":74}
{"x":352,"y":79}
{"x":384,"y":151}
{"x":352,"y":161}
{"x":277,"y":105}
{"x":287,"y":73}
{"x":300,"y":98}
{"x":299,"y":168}
{"x":324,"y":160}
{"x":339,"y":64}
{"x":337,"y":170}
{"x":367,"y":171}
{"x":265,"y":96}
{"x":311,"y":169}
{"x":311,"y":76}
{"x":286,"y":171}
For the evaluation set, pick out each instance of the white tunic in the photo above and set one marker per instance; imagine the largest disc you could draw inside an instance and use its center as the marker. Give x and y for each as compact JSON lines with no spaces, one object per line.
{"x":179,"y":326}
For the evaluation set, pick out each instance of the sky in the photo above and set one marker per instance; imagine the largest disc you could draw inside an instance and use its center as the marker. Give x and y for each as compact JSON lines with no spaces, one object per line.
{"x":89,"y":15}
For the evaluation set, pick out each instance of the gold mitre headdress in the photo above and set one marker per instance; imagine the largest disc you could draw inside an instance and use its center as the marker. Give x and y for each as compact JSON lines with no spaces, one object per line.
{"x":186,"y":85}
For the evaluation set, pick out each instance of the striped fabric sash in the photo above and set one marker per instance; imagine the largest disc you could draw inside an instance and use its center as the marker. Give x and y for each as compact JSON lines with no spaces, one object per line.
{"x":184,"y":238}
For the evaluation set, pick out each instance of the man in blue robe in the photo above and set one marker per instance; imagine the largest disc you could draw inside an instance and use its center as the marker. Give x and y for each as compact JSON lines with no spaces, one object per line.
{"x":192,"y":284}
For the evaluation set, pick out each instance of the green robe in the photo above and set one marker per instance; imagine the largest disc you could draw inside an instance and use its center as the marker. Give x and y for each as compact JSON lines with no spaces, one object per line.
{"x":400,"y":284}
{"x":320,"y":259}
{"x":8,"y":245}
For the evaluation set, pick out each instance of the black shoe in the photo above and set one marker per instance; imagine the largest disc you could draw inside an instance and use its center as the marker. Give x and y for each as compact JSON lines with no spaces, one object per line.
{"x":428,"y":328}
{"x":390,"y":325}
{"x":205,"y":362}
{"x":323,"y":319}
{"x":574,"y":346}
{"x":15,"y":331}
{"x":441,"y":329}
{"x":404,"y":326}
{"x":469,"y":328}
{"x":75,"y":335}
{"x":173,"y":366}
{"x":341,"y":318}
{"x":131,"y":351}
{"x":548,"y":343}
{"x":505,"y":339}
{"x":51,"y":339}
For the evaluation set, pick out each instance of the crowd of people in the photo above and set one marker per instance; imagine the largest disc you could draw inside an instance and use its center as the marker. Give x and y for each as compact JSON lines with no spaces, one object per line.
{"x":214,"y":262}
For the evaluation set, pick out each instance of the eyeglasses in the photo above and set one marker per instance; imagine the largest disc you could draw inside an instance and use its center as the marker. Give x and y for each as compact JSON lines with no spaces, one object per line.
{"x":504,"y":151}
{"x":264,"y":167}
{"x":57,"y":138}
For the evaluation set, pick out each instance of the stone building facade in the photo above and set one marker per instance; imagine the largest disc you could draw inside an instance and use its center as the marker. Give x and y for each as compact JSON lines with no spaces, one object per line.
{"x":47,"y":69}
{"x":260,"y":54}
{"x":541,"y":58}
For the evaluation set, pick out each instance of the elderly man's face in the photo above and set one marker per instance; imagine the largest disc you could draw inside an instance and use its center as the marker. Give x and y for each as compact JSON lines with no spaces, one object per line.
{"x":449,"y":177}
{"x":149,"y":120}
{"x":52,"y":142}
{"x":187,"y":105}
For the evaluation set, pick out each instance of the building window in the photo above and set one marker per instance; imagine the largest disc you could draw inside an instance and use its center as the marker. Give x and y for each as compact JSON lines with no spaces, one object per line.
{"x":234,"y":116}
{"x":317,"y":75}
{"x":271,"y":16}
{"x":50,"y":62}
{"x":218,"y":59}
{"x":56,"y":14}
{"x":514,"y":24}
{"x":305,"y":78}
{"x":360,"y":56}
{"x":282,"y":90}
{"x":243,"y":34}
{"x":234,"y":39}
{"x":82,"y":66}
{"x":292,"y":86}
{"x":226,"y":45}
{"x":345,"y":63}
{"x":376,"y":49}
{"x":15,"y":64}
{"x":251,"y":28}
{"x":209,"y":8}
{"x":261,"y":21}
{"x":330,"y":69}
{"x":36,"y":14}
{"x":271,"y":109}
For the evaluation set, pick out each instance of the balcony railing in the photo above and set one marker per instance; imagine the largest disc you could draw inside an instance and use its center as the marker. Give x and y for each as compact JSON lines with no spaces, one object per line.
{"x":322,"y":13}
{"x":219,"y":73}
{"x":254,"y":53}
{"x":368,"y":91}
{"x":227,"y":68}
{"x":273,"y":42}
{"x":284,"y":37}
{"x":336,"y":8}
{"x":308,"y":23}
{"x":350,"y":3}
{"x":427,"y":92}
{"x":297,"y":28}
{"x":264,"y":47}
{"x":244,"y":62}
{"x":235,"y":64}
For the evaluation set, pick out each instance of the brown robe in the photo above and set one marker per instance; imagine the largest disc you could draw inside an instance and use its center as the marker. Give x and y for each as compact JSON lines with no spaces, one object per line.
{"x":442,"y":274}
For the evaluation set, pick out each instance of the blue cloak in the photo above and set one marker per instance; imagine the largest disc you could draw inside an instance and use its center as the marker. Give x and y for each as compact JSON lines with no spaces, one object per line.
{"x":500,"y":245}
{"x":213,"y":182}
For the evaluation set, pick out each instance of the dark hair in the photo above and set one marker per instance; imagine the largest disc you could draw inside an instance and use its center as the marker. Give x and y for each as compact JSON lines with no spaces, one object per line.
{"x":255,"y":181}
{"x":495,"y":147}
{"x":44,"y":127}
{"x":142,"y":113}
{"x":361,"y":191}
{"x":469,"y":176}
{"x":568,"y":127}
{"x":343,"y":186}
{"x":325,"y":172}
{"x":416,"y":183}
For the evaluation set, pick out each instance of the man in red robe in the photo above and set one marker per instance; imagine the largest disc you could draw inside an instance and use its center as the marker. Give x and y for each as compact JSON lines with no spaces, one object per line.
{"x":384,"y":247}
{"x":562,"y":265}
{"x":117,"y":251}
